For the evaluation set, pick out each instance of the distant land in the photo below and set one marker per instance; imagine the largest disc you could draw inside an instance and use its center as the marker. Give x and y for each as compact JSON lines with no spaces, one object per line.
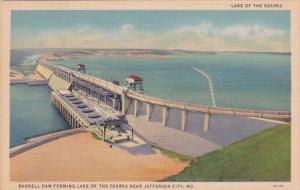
{"x":143,"y":53}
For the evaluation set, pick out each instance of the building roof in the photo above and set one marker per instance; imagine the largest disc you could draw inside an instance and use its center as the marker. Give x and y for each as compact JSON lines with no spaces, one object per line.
{"x":81,"y":65}
{"x":135,"y":77}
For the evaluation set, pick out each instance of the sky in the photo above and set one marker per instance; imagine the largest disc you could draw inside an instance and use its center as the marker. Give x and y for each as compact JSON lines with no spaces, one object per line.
{"x":262,"y":31}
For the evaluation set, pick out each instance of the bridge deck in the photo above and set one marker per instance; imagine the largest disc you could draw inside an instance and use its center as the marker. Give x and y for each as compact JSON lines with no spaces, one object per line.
{"x":40,"y":140}
{"x":281,"y":115}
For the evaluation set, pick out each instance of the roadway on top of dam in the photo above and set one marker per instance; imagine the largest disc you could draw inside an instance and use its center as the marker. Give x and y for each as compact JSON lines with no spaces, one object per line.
{"x":281,"y":115}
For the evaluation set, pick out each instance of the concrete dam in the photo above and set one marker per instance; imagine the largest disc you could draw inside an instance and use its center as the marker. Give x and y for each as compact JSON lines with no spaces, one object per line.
{"x":96,"y":105}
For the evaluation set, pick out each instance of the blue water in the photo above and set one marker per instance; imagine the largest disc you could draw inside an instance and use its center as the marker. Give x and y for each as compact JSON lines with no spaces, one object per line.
{"x":31,"y":113}
{"x":240,"y":80}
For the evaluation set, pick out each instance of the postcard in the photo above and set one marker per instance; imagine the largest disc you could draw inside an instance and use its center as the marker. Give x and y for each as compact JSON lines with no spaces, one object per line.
{"x":150,"y":95}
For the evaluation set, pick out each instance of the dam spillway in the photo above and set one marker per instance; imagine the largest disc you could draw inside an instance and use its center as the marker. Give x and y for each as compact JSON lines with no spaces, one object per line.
{"x":142,"y":110}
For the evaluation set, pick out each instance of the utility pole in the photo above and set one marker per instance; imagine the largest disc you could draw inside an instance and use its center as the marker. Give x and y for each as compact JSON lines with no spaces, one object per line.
{"x":104,"y":133}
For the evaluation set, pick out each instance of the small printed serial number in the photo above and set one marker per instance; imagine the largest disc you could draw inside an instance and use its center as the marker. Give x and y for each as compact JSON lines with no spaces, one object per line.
{"x":278,"y":185}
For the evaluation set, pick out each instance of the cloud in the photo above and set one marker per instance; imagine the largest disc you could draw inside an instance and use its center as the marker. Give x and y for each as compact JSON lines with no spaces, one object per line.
{"x":203,"y":37}
{"x":236,"y":31}
{"x":252,"y":31}
{"x":127,"y":28}
{"x":203,"y":28}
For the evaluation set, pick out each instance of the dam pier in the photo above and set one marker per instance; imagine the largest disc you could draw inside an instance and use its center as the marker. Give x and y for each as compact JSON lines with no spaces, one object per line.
{"x":113,"y":112}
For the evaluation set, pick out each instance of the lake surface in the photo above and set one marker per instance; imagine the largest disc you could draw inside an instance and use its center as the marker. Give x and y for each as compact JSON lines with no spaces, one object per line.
{"x":240,"y":80}
{"x":31,"y":113}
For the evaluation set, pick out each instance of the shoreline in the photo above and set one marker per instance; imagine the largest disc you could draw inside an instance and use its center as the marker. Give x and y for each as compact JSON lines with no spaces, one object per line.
{"x":149,"y":49}
{"x":33,"y":79}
